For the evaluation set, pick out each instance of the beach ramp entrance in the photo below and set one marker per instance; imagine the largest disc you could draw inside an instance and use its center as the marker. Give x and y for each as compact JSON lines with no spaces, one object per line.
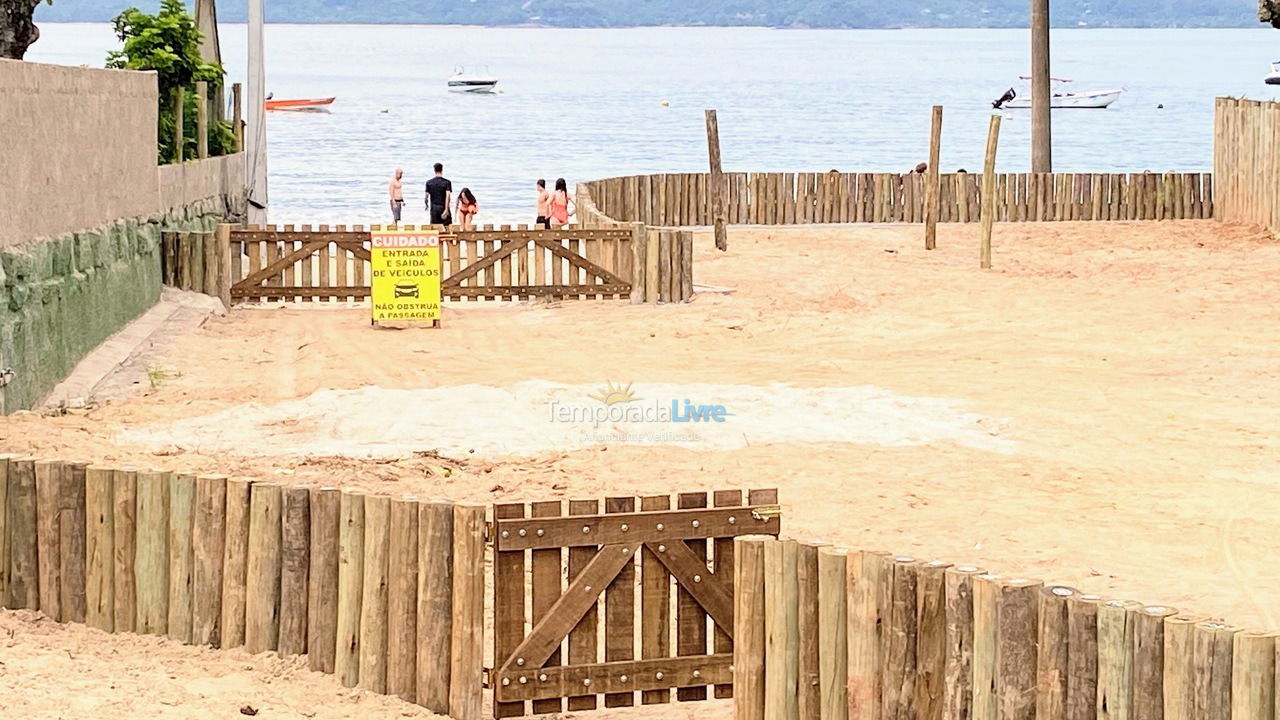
{"x":608,"y":634}
{"x":325,"y":265}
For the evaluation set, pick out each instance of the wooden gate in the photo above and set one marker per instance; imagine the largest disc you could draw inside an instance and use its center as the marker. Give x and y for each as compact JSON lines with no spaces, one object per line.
{"x":606,"y":557}
{"x":286,"y":265}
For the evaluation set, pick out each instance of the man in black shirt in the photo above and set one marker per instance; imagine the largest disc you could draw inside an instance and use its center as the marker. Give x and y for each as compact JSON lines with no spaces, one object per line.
{"x":439,"y":195}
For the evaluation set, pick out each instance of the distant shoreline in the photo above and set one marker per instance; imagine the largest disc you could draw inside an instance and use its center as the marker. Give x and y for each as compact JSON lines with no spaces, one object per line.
{"x":542,"y":26}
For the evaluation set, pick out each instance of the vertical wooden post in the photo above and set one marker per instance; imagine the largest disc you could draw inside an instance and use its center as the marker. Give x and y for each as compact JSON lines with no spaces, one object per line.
{"x":1082,"y":657}
{"x":124,"y":510}
{"x":207,"y":549}
{"x":24,"y":570}
{"x":931,"y":181}
{"x":465,"y":681}
{"x":782,"y":632}
{"x":182,"y":501}
{"x":652,"y":261}
{"x":1052,"y":657}
{"x":179,"y":97}
{"x":373,"y":602}
{"x":1115,"y":659}
{"x":868,"y":607}
{"x":716,"y":179}
{"x":1213,"y":650}
{"x":202,"y":119}
{"x":4,"y":523}
{"x":295,"y":570}
{"x":833,"y":633}
{"x":322,"y":593}
{"x":1253,"y":676}
{"x":224,"y":260}
{"x":989,"y":190}
{"x":1016,"y":621}
{"x":639,"y":247}
{"x":748,"y":626}
{"x":931,"y":644}
{"x":210,"y":265}
{"x":48,"y":533}
{"x":71,"y":542}
{"x":957,"y":691}
{"x":1041,"y":143}
{"x":152,"y":566}
{"x":808,"y":678}
{"x":235,"y":562}
{"x":898,"y":642}
{"x":350,"y":583}
{"x":1179,"y":665}
{"x":402,"y":600}
{"x":985,"y":596}
{"x":1148,"y":662}
{"x":237,"y":115}
{"x":99,"y":548}
{"x":435,"y":604}
{"x":262,"y":579}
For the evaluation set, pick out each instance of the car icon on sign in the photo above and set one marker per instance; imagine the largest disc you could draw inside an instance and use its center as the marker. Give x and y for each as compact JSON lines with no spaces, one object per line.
{"x":406,"y":290}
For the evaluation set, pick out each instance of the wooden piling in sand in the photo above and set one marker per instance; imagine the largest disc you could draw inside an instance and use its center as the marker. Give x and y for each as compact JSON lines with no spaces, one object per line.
{"x":1213,"y":647}
{"x":207,"y":548}
{"x":4,"y":525}
{"x":1017,"y":601}
{"x":1052,"y":658}
{"x":152,"y":565}
{"x":833,"y":633}
{"x":957,"y":686}
{"x":749,"y":626}
{"x":322,"y":583}
{"x":295,"y":569}
{"x":868,"y":606}
{"x":182,"y":499}
{"x":350,"y":584}
{"x":373,"y":597}
{"x":1179,"y":665}
{"x":235,"y":562}
{"x":72,"y":532}
{"x":808,"y":678}
{"x":985,"y":597}
{"x":402,"y":600}
{"x":989,"y":190}
{"x":24,"y":569}
{"x":1082,"y":657}
{"x":1148,"y":662}
{"x":48,"y":533}
{"x":465,"y":681}
{"x":931,"y":181}
{"x":781,"y":628}
{"x":931,"y":643}
{"x":262,"y":578}
{"x":716,"y":182}
{"x":1253,"y":676}
{"x":1116,"y":623}
{"x":124,"y":509}
{"x":435,"y":604}
{"x":99,"y":548}
{"x":899,"y":639}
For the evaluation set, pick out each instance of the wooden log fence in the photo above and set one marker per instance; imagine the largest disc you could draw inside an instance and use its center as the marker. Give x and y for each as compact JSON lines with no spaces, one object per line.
{"x":685,"y":199}
{"x":208,"y":560}
{"x":932,"y":641}
{"x":322,"y":264}
{"x":1246,"y":161}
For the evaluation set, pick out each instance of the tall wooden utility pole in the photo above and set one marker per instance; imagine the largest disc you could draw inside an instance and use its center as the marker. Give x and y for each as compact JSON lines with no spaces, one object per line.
{"x":255,"y":131}
{"x":931,"y":181}
{"x":716,"y":179}
{"x":1041,"y":134}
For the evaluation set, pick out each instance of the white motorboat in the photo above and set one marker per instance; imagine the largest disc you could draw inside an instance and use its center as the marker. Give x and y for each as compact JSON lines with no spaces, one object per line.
{"x":472,"y":82}
{"x":1060,"y":100}
{"x":1273,"y":77}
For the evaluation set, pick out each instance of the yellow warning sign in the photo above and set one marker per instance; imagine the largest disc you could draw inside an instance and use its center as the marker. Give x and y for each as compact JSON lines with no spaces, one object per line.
{"x":406,"y":276}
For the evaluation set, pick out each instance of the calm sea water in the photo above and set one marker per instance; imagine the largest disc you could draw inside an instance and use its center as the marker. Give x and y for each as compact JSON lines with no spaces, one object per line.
{"x":585,"y":104}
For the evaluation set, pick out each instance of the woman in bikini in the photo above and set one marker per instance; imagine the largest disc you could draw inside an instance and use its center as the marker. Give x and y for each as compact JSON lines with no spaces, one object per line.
{"x":467,"y":208}
{"x":562,"y":206}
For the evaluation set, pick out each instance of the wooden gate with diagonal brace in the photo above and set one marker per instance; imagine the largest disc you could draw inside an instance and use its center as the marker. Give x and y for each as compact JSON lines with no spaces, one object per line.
{"x":554,"y":660}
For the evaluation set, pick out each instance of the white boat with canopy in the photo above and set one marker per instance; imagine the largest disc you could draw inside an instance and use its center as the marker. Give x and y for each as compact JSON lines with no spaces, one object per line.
{"x":1096,"y":99}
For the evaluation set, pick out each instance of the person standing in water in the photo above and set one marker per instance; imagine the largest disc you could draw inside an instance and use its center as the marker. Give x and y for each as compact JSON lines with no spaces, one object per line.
{"x":395,"y":189}
{"x":467,"y":208}
{"x":439,"y":196}
{"x":562,"y":206}
{"x":544,"y":206}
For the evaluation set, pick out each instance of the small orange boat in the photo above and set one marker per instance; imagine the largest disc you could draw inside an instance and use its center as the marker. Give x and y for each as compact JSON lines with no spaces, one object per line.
{"x":309,"y":104}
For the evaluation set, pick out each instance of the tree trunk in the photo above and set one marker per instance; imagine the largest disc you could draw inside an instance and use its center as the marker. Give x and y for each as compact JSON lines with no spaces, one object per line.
{"x":17,"y":30}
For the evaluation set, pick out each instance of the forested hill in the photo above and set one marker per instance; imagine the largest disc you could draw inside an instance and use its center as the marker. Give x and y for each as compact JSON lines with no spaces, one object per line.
{"x":768,"y":13}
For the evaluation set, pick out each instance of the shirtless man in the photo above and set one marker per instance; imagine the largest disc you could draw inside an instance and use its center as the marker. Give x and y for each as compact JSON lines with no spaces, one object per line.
{"x":544,"y":206}
{"x":396,"y":189}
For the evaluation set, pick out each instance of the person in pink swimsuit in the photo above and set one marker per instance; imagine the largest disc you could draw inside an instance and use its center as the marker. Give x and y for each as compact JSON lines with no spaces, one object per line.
{"x":562,"y":206}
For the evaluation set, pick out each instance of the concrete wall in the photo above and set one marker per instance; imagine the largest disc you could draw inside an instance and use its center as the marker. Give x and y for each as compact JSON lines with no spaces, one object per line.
{"x":82,"y":206}
{"x":79,"y":148}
